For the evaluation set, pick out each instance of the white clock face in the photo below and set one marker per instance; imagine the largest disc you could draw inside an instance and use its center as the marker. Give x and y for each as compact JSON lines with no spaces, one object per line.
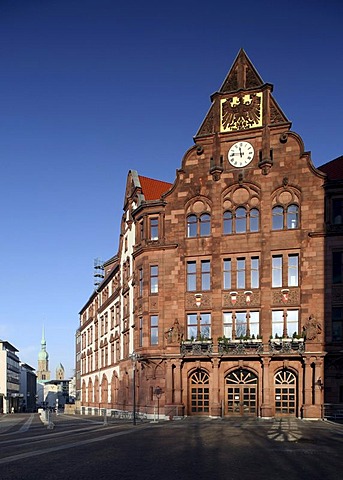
{"x":241,"y":154}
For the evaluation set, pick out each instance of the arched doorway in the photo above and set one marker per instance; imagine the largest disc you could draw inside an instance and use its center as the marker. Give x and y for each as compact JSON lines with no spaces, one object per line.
{"x":241,"y":393}
{"x":285,"y":388}
{"x":199,"y":393}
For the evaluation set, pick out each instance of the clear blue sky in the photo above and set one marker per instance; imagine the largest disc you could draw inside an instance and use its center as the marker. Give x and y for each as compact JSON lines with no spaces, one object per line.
{"x":92,"y":88}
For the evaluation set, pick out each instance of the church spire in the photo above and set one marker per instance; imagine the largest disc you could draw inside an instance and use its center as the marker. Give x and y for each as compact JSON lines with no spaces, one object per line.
{"x":43,"y":372}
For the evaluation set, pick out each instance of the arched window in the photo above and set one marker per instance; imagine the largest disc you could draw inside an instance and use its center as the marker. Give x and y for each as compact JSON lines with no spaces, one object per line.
{"x":254,"y":220}
{"x":292,"y":216}
{"x":198,"y":226}
{"x":277,"y":222}
{"x":205,"y":225}
{"x":227,"y":223}
{"x":241,"y":220}
{"x":285,"y":218}
{"x":192,"y":222}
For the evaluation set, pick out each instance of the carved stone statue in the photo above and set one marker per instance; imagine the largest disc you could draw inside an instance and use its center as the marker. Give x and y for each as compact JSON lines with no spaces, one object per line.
{"x":312,"y":328}
{"x":174,"y":334}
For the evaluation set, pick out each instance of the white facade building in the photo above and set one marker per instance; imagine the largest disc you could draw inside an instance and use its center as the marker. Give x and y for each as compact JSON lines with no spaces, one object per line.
{"x":9,"y":378}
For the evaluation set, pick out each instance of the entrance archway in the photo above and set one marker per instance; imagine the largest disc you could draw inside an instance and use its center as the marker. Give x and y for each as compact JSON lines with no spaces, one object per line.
{"x":199,"y":393}
{"x":241,"y":393}
{"x":285,"y":387}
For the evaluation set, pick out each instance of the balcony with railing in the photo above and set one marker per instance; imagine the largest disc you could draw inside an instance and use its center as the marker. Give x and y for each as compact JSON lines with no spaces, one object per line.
{"x":242,"y":346}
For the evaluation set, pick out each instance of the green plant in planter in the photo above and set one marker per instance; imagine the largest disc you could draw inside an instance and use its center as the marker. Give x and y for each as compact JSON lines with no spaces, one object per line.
{"x":223,"y":339}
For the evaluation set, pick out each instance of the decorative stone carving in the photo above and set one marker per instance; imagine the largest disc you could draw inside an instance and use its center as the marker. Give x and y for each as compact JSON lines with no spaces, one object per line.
{"x":312,"y":328}
{"x":191,"y":303}
{"x":293,"y":297}
{"x":241,"y":300}
{"x":241,"y":112}
{"x":175,"y":333}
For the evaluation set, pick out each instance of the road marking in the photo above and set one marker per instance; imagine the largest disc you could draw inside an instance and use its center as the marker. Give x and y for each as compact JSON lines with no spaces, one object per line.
{"x":43,"y":451}
{"x":27,"y":424}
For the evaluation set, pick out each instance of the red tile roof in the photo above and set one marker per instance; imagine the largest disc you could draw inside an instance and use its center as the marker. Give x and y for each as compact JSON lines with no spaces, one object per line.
{"x":333,"y":169}
{"x":153,"y":189}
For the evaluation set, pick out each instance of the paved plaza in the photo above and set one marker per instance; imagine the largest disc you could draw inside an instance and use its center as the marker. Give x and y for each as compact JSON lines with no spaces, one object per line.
{"x":237,"y":448}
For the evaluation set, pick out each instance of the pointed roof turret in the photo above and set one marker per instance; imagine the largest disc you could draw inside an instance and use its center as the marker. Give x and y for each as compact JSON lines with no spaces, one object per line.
{"x":242,"y":75}
{"x":243,"y":102}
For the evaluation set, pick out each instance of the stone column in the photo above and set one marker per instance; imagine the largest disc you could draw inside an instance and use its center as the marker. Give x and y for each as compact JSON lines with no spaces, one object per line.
{"x":173,"y":406}
{"x":309,"y":409}
{"x":215,"y":407}
{"x":266,"y":407}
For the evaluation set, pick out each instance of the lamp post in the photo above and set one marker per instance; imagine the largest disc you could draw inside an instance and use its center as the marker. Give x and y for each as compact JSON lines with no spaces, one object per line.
{"x":158,"y":393}
{"x":134,"y":357}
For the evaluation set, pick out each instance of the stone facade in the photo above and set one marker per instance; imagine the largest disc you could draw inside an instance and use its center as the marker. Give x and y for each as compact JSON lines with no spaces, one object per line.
{"x":214,"y":304}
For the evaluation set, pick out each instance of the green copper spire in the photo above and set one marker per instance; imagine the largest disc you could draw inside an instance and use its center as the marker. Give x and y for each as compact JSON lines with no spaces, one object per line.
{"x":43,"y":354}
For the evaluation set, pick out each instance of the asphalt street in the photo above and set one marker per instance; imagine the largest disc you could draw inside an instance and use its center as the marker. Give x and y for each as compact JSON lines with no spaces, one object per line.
{"x":81,"y":447}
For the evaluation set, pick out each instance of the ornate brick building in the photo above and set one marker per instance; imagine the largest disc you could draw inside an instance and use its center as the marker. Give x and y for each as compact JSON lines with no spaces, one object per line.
{"x":214,"y":303}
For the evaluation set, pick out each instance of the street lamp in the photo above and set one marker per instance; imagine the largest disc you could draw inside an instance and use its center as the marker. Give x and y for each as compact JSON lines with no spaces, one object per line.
{"x":158,"y":393}
{"x":134,"y":357}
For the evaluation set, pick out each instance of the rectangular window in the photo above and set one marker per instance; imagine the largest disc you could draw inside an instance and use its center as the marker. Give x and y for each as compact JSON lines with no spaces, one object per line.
{"x":293,"y":268}
{"x":126,"y":300}
{"x":254,"y":324}
{"x":140,"y":331}
{"x":277,"y":323}
{"x":337,"y":211}
{"x":240,"y":272}
{"x":277,"y":271}
{"x":141,"y":230}
{"x":205,"y":325}
{"x":117,"y":351}
{"x":337,"y":267}
{"x":106,"y":322}
{"x":337,"y":324}
{"x":227,"y":274}
{"x":255,"y":272}
{"x":140,"y":279}
{"x":153,"y":279}
{"x":117,"y":314}
{"x":154,"y":330}
{"x":154,"y":228}
{"x":241,"y":324}
{"x":192,"y":326}
{"x":292,"y":322}
{"x":205,"y":275}
{"x":112,"y":318}
{"x":191,"y":276}
{"x":198,"y":326}
{"x":227,"y":325}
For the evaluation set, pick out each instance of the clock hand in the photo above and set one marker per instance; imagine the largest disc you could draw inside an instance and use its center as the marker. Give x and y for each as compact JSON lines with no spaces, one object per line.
{"x":240,"y":153}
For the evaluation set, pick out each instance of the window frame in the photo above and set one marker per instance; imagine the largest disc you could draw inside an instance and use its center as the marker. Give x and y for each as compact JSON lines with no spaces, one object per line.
{"x":199,"y":325}
{"x":154,"y":333}
{"x":154,"y":287}
{"x":154,"y":228}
